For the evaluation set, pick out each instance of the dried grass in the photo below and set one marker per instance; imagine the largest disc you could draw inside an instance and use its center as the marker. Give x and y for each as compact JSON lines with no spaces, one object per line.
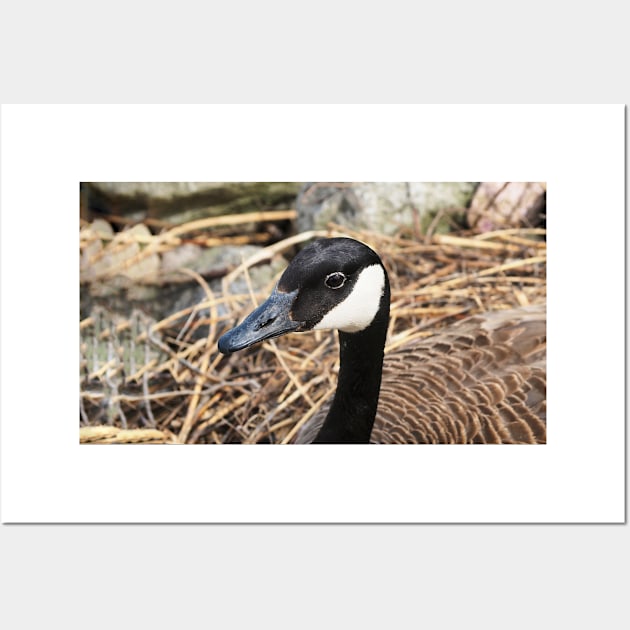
{"x":181,"y":390}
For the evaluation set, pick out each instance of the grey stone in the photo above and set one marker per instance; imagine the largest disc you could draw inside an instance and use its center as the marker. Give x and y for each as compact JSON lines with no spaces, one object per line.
{"x":499,"y":205}
{"x":382,"y":207}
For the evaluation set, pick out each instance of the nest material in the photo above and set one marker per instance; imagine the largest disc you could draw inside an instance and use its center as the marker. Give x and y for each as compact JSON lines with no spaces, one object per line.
{"x":157,"y":377}
{"x":116,"y":435}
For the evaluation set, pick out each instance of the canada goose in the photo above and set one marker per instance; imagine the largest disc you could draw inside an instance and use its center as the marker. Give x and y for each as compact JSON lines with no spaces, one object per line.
{"x":481,"y":381}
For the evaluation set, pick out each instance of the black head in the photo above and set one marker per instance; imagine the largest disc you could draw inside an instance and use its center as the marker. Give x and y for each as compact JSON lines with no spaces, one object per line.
{"x":332,"y":283}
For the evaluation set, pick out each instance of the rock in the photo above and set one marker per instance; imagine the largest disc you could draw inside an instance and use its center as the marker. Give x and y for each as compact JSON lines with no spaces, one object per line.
{"x":208,"y":261}
{"x":260,"y":276}
{"x":155,"y":191}
{"x":116,"y":277}
{"x":134,"y":266}
{"x":500,"y":205}
{"x":95,"y":236}
{"x":186,"y":201}
{"x":381,"y":207}
{"x":185,"y":255}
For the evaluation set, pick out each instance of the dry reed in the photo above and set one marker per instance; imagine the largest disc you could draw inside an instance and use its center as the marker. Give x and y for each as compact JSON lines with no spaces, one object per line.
{"x":174,"y":388}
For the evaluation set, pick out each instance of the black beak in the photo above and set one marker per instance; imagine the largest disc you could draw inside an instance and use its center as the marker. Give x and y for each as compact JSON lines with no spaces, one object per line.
{"x":271,"y":319}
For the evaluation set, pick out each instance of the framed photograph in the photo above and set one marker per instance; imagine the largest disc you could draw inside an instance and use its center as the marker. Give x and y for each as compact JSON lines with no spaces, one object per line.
{"x":565,"y":465}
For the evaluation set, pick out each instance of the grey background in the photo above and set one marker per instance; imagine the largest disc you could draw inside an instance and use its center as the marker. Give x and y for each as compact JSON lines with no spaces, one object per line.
{"x":490,"y":576}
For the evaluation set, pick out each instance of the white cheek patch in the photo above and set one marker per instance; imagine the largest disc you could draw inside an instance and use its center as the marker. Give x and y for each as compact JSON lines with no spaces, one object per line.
{"x":359,"y":308}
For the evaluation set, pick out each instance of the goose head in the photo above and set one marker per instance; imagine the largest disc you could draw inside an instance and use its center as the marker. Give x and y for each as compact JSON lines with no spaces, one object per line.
{"x":336,"y":283}
{"x":341,"y":284}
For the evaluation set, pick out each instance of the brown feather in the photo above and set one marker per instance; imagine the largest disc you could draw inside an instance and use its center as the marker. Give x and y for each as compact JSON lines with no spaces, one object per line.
{"x":481,"y":381}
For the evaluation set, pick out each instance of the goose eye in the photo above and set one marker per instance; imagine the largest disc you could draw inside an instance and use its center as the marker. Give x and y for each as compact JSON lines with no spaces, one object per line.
{"x":335,"y":280}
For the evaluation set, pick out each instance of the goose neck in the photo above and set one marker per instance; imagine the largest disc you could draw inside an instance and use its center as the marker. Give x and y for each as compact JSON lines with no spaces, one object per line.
{"x":353,"y":410}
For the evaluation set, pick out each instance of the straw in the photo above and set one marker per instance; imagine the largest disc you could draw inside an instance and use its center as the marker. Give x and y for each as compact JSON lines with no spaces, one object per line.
{"x":168,"y":387}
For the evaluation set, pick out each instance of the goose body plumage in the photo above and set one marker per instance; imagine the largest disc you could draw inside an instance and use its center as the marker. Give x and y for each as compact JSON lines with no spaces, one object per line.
{"x":481,"y":381}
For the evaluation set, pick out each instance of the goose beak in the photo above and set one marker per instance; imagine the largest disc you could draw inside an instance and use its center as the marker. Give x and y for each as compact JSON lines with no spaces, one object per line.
{"x":271,"y":319}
